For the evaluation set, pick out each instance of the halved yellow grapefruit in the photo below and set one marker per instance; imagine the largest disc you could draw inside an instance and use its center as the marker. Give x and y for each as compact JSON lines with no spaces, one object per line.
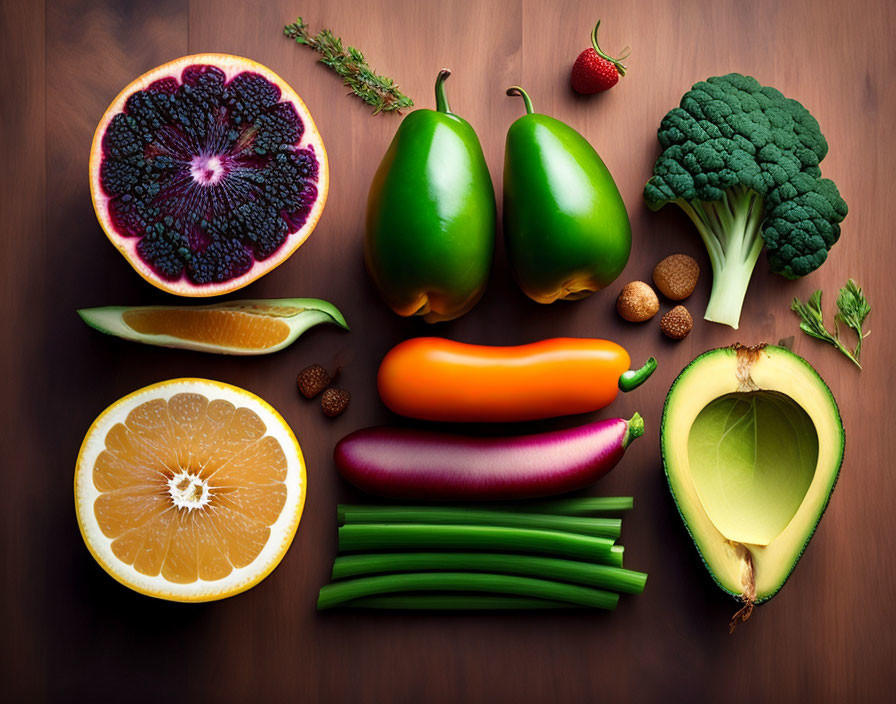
{"x":189,"y":489}
{"x":207,"y":173}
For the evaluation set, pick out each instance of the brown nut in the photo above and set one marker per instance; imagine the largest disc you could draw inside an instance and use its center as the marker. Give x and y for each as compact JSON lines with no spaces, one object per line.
{"x":312,"y":380}
{"x":677,"y":323}
{"x":637,"y":302}
{"x":676,"y":276}
{"x":334,"y":401}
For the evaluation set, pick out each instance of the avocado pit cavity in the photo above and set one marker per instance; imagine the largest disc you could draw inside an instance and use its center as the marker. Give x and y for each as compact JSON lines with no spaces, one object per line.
{"x":752,"y":456}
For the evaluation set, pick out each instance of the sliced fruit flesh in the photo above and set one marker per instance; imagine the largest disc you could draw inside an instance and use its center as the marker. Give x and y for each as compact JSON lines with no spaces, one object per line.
{"x":226,"y":328}
{"x":189,"y":488}
{"x":758,"y":569}
{"x":208,"y":173}
{"x":752,"y":458}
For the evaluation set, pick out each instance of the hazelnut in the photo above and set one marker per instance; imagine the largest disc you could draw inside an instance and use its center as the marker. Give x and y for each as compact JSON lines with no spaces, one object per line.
{"x":312,"y":380}
{"x":637,"y":302}
{"x":677,"y":323}
{"x":676,"y":276}
{"x":334,"y":401}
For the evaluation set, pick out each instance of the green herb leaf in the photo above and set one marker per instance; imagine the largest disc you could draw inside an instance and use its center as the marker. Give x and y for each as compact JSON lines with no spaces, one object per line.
{"x":812,"y":323}
{"x":852,"y":309}
{"x":378,"y":91}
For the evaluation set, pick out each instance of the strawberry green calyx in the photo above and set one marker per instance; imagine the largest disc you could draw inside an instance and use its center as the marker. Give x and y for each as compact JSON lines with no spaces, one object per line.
{"x":620,"y":67}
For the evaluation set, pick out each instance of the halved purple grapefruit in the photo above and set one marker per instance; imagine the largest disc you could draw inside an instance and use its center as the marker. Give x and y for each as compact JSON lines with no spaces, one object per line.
{"x":207,"y":173}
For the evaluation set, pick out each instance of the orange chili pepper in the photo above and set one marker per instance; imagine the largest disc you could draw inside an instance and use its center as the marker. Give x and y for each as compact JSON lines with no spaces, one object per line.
{"x":432,"y":378}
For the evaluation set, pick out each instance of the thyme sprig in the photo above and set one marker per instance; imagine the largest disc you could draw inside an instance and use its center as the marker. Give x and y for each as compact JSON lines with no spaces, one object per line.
{"x":378,"y":91}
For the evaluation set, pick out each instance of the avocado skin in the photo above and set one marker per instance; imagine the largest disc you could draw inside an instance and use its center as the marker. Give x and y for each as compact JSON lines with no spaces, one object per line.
{"x":564,"y":219}
{"x":665,"y":440}
{"x":431,"y":216}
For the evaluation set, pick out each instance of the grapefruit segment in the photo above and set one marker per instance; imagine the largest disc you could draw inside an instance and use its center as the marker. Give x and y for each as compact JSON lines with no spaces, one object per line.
{"x":189,"y":490}
{"x":206,"y":173}
{"x":248,"y":327}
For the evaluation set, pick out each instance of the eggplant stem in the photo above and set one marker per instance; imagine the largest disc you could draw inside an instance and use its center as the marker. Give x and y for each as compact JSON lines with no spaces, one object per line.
{"x":635,"y":429}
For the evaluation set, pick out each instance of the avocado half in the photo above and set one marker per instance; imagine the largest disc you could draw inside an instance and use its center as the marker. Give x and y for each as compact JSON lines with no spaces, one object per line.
{"x":752,"y":444}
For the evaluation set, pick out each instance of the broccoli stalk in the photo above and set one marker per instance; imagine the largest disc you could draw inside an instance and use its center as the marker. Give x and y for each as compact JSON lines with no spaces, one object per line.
{"x":743,"y":161}
{"x":731,"y":231}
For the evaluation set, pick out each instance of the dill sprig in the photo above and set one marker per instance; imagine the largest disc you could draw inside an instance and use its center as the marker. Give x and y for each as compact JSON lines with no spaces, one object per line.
{"x":852,"y":309}
{"x":378,"y":91}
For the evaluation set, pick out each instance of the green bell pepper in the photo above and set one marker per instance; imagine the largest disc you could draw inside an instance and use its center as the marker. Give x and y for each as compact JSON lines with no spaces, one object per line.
{"x":566,"y":229}
{"x":430,"y":233}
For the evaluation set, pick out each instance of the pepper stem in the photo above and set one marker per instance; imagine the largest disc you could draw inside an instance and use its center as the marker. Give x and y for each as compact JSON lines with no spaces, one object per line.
{"x":633,"y":378}
{"x":441,"y":98}
{"x":516,"y":90}
{"x":620,"y":67}
{"x":635,"y":429}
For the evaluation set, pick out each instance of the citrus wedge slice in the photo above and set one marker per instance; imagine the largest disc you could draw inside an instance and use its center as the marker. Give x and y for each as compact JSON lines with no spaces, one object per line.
{"x":189,"y":490}
{"x":238,"y":327}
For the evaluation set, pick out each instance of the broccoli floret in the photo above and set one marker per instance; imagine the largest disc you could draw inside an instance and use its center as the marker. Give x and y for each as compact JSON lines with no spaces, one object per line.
{"x":743,"y":162}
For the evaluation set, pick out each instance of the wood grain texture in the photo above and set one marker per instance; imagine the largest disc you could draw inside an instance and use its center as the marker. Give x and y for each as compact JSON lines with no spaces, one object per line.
{"x":72,"y":633}
{"x":22,"y":197}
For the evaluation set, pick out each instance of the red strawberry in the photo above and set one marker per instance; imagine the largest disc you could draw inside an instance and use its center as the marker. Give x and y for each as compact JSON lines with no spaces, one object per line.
{"x":594,"y":71}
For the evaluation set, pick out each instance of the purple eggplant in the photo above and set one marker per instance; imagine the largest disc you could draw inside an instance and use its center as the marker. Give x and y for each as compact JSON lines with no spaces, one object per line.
{"x":413,"y":464}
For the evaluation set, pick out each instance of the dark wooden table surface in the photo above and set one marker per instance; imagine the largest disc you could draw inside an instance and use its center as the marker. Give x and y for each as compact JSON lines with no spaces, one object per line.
{"x":71,"y":633}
